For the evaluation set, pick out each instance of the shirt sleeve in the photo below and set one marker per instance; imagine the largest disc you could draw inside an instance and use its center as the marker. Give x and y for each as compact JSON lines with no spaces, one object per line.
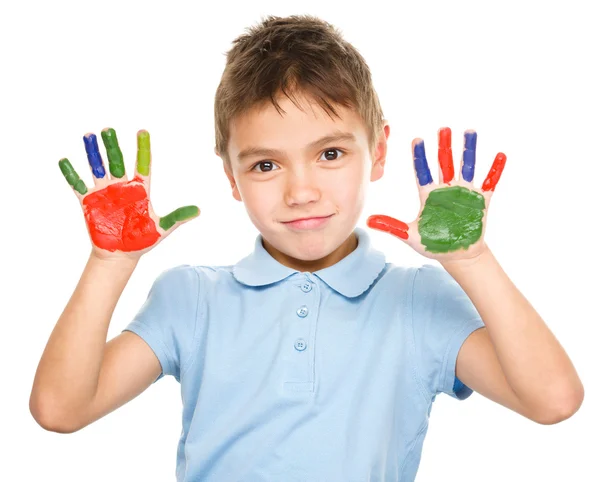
{"x":167,"y":319}
{"x":443,"y":318}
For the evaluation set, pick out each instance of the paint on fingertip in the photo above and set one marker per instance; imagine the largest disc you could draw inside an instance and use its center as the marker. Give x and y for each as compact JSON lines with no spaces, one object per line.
{"x":495,"y":172}
{"x":421,"y":167}
{"x":93,"y":155}
{"x":468,"y":167}
{"x":445,"y":154}
{"x":143,"y":154}
{"x":389,"y":225}
{"x":181,"y":214}
{"x":116,"y":166}
{"x":71,"y":176}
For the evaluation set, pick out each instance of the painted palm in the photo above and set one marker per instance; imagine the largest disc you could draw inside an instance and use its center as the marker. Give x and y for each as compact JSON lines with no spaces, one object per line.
{"x":118,"y":211}
{"x":452,"y":218}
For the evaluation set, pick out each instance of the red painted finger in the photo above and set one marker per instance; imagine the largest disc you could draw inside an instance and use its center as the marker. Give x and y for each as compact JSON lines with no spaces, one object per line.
{"x":389,"y":225}
{"x":445,"y":154}
{"x":495,"y":172}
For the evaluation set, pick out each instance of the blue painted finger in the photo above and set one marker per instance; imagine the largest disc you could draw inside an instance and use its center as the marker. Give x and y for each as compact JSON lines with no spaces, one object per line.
{"x":468,"y":167}
{"x":421,"y":166}
{"x":93,"y":155}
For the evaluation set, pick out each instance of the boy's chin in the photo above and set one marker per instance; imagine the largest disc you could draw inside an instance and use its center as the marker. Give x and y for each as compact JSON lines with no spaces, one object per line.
{"x":310,"y":246}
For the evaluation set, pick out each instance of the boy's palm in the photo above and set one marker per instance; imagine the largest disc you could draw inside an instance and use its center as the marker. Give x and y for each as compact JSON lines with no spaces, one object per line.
{"x":118,"y":212}
{"x":452,"y":218}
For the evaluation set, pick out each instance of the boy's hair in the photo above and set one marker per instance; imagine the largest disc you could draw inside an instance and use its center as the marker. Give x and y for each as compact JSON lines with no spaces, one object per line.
{"x":300,"y":53}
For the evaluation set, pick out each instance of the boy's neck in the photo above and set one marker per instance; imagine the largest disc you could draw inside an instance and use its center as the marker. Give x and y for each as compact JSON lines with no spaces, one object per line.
{"x":311,"y":266}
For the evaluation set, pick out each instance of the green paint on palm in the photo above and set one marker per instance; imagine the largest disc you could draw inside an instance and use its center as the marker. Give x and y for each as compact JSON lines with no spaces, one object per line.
{"x":451,"y":219}
{"x":143,"y":153}
{"x":113,"y":151}
{"x":71,"y":176}
{"x":181,"y":214}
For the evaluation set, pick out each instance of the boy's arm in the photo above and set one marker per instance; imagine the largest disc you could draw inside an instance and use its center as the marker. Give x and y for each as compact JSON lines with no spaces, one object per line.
{"x":81,"y":377}
{"x":515,"y":360}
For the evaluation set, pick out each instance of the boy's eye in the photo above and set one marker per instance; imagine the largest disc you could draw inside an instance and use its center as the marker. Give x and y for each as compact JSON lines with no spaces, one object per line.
{"x":332,"y":150}
{"x":268,"y":166}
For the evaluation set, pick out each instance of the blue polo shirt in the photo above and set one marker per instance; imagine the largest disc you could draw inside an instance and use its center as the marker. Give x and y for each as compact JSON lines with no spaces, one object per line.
{"x":295,"y":376}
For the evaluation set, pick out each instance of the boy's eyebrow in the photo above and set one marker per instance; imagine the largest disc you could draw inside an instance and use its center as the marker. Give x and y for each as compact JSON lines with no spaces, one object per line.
{"x":263,"y":151}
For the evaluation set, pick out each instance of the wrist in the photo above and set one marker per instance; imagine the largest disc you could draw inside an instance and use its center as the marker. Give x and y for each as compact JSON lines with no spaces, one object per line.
{"x":112,"y":261}
{"x":459,"y":265}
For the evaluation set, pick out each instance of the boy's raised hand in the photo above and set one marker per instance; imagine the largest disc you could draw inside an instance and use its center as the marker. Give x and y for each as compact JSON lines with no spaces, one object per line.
{"x":452,"y":218}
{"x":118,"y":212}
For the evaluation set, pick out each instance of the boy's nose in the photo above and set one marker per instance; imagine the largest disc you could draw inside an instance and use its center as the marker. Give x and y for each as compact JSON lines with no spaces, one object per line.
{"x":301,"y":188}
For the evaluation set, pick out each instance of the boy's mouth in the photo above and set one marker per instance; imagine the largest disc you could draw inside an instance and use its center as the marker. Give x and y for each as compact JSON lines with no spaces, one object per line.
{"x":308,"y":223}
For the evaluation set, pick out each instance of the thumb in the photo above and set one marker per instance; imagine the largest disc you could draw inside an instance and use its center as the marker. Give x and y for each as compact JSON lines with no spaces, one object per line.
{"x":180,"y":215}
{"x":387,"y":224}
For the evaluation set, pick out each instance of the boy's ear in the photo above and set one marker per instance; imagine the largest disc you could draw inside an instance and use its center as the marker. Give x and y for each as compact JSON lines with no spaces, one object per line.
{"x":231,"y":179}
{"x":234,"y":189}
{"x":380,"y":153}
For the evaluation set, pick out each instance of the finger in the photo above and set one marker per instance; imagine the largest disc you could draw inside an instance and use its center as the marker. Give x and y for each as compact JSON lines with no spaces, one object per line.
{"x":388,"y":225}
{"x":420,"y":162}
{"x":179,"y":215}
{"x":144,"y":157}
{"x":71,"y":176}
{"x":445,"y":154}
{"x":116,"y":165}
{"x":94,"y":157}
{"x":495,"y":172}
{"x":468,"y":157}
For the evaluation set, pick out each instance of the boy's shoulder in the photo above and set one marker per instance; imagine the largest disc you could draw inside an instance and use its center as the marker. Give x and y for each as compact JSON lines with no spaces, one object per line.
{"x":187,"y":272}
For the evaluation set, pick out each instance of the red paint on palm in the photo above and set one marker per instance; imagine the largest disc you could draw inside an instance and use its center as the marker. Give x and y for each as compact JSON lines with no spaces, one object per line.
{"x":118,"y":217}
{"x":495,"y":172}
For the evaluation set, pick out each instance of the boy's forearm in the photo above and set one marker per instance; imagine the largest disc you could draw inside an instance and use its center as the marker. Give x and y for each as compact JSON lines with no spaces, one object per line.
{"x":68,"y":372}
{"x":535,"y":364}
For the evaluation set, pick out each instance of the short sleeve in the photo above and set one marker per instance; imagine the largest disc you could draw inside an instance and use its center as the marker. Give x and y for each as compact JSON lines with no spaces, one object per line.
{"x":443,"y":318}
{"x":167,"y":319}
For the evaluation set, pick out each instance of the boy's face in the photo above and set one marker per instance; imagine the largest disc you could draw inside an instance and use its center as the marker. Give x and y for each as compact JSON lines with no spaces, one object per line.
{"x":295,"y":176}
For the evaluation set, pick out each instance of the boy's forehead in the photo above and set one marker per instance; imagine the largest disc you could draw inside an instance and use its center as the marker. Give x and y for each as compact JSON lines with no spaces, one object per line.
{"x":264,"y":126}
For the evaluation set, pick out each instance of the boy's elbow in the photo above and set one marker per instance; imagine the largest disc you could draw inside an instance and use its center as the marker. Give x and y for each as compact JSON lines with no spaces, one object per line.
{"x":49,"y":419}
{"x":565,"y":409}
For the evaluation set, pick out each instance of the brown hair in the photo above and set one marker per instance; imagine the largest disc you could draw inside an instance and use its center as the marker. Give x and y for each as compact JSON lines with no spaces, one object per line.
{"x":298,"y":53}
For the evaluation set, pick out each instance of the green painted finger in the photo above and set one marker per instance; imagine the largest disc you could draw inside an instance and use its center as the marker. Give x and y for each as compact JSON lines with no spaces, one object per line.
{"x":113,"y":151}
{"x":181,"y":214}
{"x":71,"y":176}
{"x":143,"y":153}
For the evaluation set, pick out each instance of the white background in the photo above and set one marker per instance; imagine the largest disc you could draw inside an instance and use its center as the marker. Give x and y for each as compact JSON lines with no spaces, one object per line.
{"x":523,"y":74}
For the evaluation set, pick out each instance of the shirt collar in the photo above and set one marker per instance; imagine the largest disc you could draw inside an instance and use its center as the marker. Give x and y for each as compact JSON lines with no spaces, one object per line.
{"x":351,"y":276}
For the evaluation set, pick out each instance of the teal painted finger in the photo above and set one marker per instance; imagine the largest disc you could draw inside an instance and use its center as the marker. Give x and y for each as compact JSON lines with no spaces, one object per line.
{"x":113,"y":151}
{"x":143,"y":153}
{"x":71,"y":176}
{"x":181,"y":214}
{"x":451,"y":219}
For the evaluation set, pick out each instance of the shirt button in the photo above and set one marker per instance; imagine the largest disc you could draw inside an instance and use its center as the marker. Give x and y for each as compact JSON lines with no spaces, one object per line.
{"x":306,"y":287}
{"x":300,"y":344}
{"x":302,"y":311}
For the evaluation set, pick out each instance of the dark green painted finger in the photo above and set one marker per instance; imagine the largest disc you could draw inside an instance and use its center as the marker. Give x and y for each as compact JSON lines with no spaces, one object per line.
{"x":71,"y":176}
{"x":143,"y":154}
{"x":113,"y":151}
{"x":181,"y":214}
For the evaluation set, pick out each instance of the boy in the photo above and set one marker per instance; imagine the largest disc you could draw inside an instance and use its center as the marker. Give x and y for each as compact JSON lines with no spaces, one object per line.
{"x":311,"y":359}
